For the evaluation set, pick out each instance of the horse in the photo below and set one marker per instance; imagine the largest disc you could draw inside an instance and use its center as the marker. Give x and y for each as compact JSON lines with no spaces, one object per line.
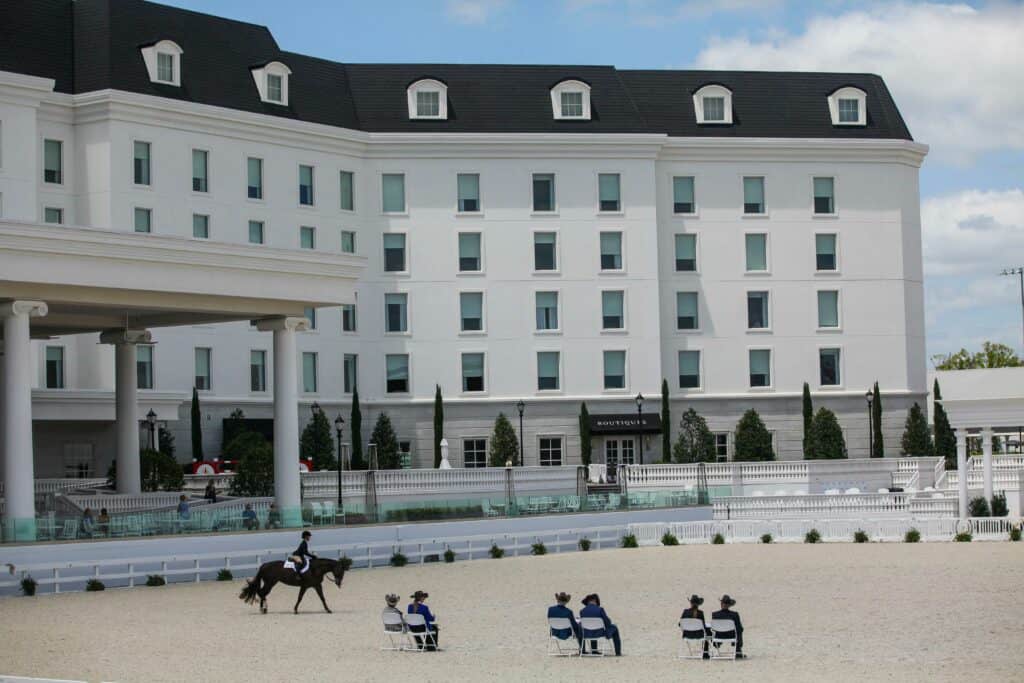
{"x":271,"y":573}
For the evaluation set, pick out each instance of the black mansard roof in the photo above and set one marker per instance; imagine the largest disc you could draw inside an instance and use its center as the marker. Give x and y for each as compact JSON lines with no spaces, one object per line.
{"x":88,"y":45}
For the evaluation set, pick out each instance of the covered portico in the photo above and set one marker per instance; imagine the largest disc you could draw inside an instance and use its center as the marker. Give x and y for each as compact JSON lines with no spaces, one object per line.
{"x":57,"y":280}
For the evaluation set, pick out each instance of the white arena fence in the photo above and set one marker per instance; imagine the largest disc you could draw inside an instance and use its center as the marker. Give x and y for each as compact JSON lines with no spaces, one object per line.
{"x":838,"y":506}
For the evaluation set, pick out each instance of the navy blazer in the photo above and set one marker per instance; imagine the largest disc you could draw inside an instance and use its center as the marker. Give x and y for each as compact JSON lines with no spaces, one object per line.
{"x":595,"y":612}
{"x":729,"y":614}
{"x":563,"y":612}
{"x":693,"y":613}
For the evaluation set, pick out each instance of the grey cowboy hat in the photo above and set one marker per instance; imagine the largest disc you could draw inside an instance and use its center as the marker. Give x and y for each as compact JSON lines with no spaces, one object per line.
{"x":696,"y":599}
{"x":726,"y":600}
{"x":391,"y":599}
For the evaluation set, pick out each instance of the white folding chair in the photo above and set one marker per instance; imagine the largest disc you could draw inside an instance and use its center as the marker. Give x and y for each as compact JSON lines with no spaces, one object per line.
{"x":426,"y":635}
{"x":723,"y":647}
{"x":397,"y":640}
{"x":558,"y":647}
{"x":693,"y":645}
{"x":594,"y":624}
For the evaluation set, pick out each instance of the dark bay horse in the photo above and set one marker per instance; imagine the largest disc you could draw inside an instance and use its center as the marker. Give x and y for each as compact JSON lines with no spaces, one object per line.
{"x":271,"y":573}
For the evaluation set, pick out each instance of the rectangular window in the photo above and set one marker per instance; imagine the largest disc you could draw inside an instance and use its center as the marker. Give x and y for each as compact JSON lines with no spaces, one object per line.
{"x":142,"y":163}
{"x":614,"y":369}
{"x":305,"y":185}
{"x":682,"y":194}
{"x":469,"y":252}
{"x":547,"y":371}
{"x":613,"y":310}
{"x":572,"y":105}
{"x":686,"y":253}
{"x":397,"y":366}
{"x":396,"y":312}
{"x":472,"y":372}
{"x":53,"y":161}
{"x":54,"y":367}
{"x":428,"y":103}
{"x":722,"y":446}
{"x":689,"y":369}
{"x":165,"y":67}
{"x":53,"y":215}
{"x":849,"y":111}
{"x":474,"y":452}
{"x":760,"y":368}
{"x":200,"y":170}
{"x":309,"y":378}
{"x":469,"y":192}
{"x":394,"y":252}
{"x":347,"y":191}
{"x":757,"y":252}
{"x":348,"y":242}
{"x":256,"y":232}
{"x":275,"y":88}
{"x":824,"y":195}
{"x":550,"y":451}
{"x":543,"y":191}
{"x":714,"y":109}
{"x":547,"y":310}
{"x":257,"y":371}
{"x":307,"y":237}
{"x":686,"y":311}
{"x":757,"y":310}
{"x":825,"y":252}
{"x":350,"y":371}
{"x":202,"y":365}
{"x":611,"y":251}
{"x":471,"y":306}
{"x":393,"y":192}
{"x":144,"y":366}
{"x":254,"y":172}
{"x":544,"y":257}
{"x":310,"y":313}
{"x":348,"y":317}
{"x":608,"y":192}
{"x":143,"y":220}
{"x":200,"y":226}
{"x":828,"y":363}
{"x":828,"y":308}
{"x":753,"y":195}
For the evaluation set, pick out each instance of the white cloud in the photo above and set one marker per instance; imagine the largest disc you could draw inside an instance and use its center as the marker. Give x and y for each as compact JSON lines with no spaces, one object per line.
{"x":473,"y":11}
{"x":955,"y":71}
{"x":973,"y":232}
{"x":652,"y":13}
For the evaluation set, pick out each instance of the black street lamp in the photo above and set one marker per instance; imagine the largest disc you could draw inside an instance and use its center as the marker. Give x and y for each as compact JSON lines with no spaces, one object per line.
{"x":151,"y":423}
{"x":640,"y":424}
{"x":869,"y":396}
{"x":339,"y":423}
{"x":521,"y":407}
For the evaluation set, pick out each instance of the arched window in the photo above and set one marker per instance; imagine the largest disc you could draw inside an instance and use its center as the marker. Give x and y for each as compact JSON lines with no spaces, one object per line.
{"x":163,"y":62}
{"x":428,"y":99}
{"x":848,"y":107}
{"x":570,"y":100}
{"x":272,"y":82}
{"x":712,"y":104}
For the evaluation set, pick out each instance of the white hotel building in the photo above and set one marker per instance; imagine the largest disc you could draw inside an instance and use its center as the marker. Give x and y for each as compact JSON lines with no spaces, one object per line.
{"x":556,"y":234}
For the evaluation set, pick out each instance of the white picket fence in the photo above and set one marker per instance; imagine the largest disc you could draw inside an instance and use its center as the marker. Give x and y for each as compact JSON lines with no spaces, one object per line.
{"x":833,"y":506}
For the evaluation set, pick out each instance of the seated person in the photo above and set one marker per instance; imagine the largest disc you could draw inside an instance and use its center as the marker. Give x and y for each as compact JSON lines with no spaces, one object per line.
{"x":694,"y":612}
{"x":87,"y":526}
{"x":727,"y":613}
{"x":104,"y":521}
{"x":391,"y":599}
{"x":184,"y":512}
{"x":249,"y":520}
{"x":418,"y":606}
{"x":210,"y":493}
{"x":560,"y":611}
{"x":592,"y":609}
{"x":273,"y":517}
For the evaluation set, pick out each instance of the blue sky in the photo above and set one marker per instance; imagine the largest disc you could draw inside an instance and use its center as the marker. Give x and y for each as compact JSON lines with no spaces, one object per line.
{"x":954,"y":69}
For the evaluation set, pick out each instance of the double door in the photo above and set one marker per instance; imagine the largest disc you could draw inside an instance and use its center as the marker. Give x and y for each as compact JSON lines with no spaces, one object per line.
{"x":619,"y":451}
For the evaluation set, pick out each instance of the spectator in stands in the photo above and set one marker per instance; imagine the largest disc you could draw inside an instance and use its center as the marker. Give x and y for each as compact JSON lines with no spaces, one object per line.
{"x":184,"y":512}
{"x":87,"y":525}
{"x":391,"y":599}
{"x":727,"y":613}
{"x":560,"y":611}
{"x":249,"y":520}
{"x":694,"y":612}
{"x":104,"y":522}
{"x":418,"y":606}
{"x":273,"y":517}
{"x":592,"y":609}
{"x":210,"y":493}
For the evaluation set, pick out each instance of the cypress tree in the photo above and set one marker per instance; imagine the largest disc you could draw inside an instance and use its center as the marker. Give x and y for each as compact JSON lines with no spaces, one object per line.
{"x":197,"y":427}
{"x":666,"y":424}
{"x":504,"y":444}
{"x":316,"y":443}
{"x":753,"y":440}
{"x":586,"y":447}
{"x":917,"y":439}
{"x":878,"y":445}
{"x":383,"y":436}
{"x":695,"y":443}
{"x":808,"y":416}
{"x":438,"y":424}
{"x":356,"y":427}
{"x":945,"y":439}
{"x":825,"y":440}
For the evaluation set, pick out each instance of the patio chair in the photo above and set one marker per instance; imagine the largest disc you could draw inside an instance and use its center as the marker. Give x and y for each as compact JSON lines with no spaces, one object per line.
{"x":329,"y":512}
{"x":572,"y":503}
{"x":561,"y":647}
{"x":593,"y":629}
{"x":396,"y":640}
{"x":489,"y":510}
{"x":317,"y":514}
{"x":693,"y":644}
{"x":723,"y":639}
{"x":426,"y":636}
{"x":70,"y":531}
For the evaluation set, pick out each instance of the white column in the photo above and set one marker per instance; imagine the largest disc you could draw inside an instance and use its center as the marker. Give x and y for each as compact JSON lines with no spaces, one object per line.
{"x":16,"y":438}
{"x":287,"y":487}
{"x":961,"y":467}
{"x":126,"y":405}
{"x":986,"y":454}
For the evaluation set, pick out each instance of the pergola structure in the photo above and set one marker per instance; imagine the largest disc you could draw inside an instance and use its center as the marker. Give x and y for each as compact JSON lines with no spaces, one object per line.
{"x":60,"y":280}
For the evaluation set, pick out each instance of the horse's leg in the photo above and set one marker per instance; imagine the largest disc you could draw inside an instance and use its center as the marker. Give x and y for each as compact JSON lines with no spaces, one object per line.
{"x":302,"y":591}
{"x":320,"y":591}
{"x":264,"y":592}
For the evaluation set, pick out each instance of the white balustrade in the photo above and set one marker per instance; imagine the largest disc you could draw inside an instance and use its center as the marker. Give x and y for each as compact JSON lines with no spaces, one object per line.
{"x":43,"y":486}
{"x":125,"y":502}
{"x":1003,"y":479}
{"x":831,"y":506}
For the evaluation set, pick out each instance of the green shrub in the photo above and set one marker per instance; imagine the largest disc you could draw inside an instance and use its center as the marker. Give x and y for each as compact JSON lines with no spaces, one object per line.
{"x":978,"y":507}
{"x":28,"y":586}
{"x":999,"y":507}
{"x":766,"y":538}
{"x":496,"y":552}
{"x":225,"y":575}
{"x":93,"y":585}
{"x":669,"y":539}
{"x":449,"y":555}
{"x":718,"y":539}
{"x":346,"y":562}
{"x":860,"y":536}
{"x":629,"y":541}
{"x":584,"y":544}
{"x":963,"y":537}
{"x":155,"y":580}
{"x":812,"y":536}
{"x":398,"y":560}
{"x":538,"y":548}
{"x":1015,"y":533}
{"x":912,"y":536}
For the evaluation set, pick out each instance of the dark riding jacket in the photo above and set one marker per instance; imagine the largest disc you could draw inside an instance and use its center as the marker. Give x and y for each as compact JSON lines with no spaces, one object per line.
{"x":303,"y":551}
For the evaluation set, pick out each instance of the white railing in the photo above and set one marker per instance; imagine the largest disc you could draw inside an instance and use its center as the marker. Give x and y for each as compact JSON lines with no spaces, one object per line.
{"x":794,"y":530}
{"x":1002,"y":479}
{"x":324,"y":485}
{"x":43,"y":486}
{"x":939,"y":472}
{"x":125,"y":502}
{"x":832,"y":506}
{"x":772,"y":472}
{"x":198,"y":482}
{"x":976,"y":462}
{"x":454,"y":483}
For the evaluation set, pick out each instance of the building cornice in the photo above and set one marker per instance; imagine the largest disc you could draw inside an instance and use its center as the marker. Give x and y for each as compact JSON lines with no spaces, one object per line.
{"x":795,"y":149}
{"x":24,"y":90}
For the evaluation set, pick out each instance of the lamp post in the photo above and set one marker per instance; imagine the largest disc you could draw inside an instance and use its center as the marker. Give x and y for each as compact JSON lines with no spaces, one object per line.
{"x":339,"y":423}
{"x":151,"y":423}
{"x":640,"y":424}
{"x":521,"y":407}
{"x":1019,"y":272}
{"x":869,"y":396}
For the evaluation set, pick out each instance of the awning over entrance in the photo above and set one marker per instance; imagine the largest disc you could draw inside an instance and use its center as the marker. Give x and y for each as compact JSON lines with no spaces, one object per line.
{"x":625,"y":423}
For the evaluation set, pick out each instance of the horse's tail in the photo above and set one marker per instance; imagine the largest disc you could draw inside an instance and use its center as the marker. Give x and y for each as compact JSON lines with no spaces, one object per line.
{"x":251,"y":590}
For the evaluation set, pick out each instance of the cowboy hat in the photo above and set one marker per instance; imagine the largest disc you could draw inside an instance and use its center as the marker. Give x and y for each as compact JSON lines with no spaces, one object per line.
{"x":726,"y":600}
{"x":696,"y":600}
{"x":592,"y":597}
{"x":562,"y":597}
{"x":391,"y":599}
{"x":419,"y":595}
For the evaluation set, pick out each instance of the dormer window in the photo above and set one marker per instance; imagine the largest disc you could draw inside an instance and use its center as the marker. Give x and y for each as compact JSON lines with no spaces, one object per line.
{"x":848,"y":107}
{"x":570,"y":100}
{"x":163,"y":62}
{"x":272,"y":82}
{"x":712,"y":104}
{"x":428,"y":99}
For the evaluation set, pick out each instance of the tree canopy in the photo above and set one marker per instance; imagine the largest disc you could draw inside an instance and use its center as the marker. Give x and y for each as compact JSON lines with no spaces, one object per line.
{"x":825,"y":438}
{"x":992,"y":355}
{"x":753,"y":440}
{"x":917,"y":438}
{"x":384,"y":437}
{"x":695,"y":443}
{"x":254,"y":475}
{"x":504,"y":444}
{"x":316,"y":443}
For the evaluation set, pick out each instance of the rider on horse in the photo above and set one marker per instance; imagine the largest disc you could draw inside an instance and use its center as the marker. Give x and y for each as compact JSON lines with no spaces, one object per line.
{"x":302,"y":555}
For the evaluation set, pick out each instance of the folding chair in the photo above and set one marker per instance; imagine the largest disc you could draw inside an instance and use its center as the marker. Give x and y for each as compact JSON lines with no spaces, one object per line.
{"x":399,"y":640}
{"x":723,"y":639}
{"x":426,"y":635}
{"x":555,"y":644}
{"x":594,"y":626}
{"x":693,"y":645}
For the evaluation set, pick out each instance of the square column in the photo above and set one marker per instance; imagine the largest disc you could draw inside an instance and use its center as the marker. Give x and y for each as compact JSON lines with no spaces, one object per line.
{"x":126,"y":405}
{"x":19,"y":523}
{"x":986,"y":454}
{"x":961,"y":467}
